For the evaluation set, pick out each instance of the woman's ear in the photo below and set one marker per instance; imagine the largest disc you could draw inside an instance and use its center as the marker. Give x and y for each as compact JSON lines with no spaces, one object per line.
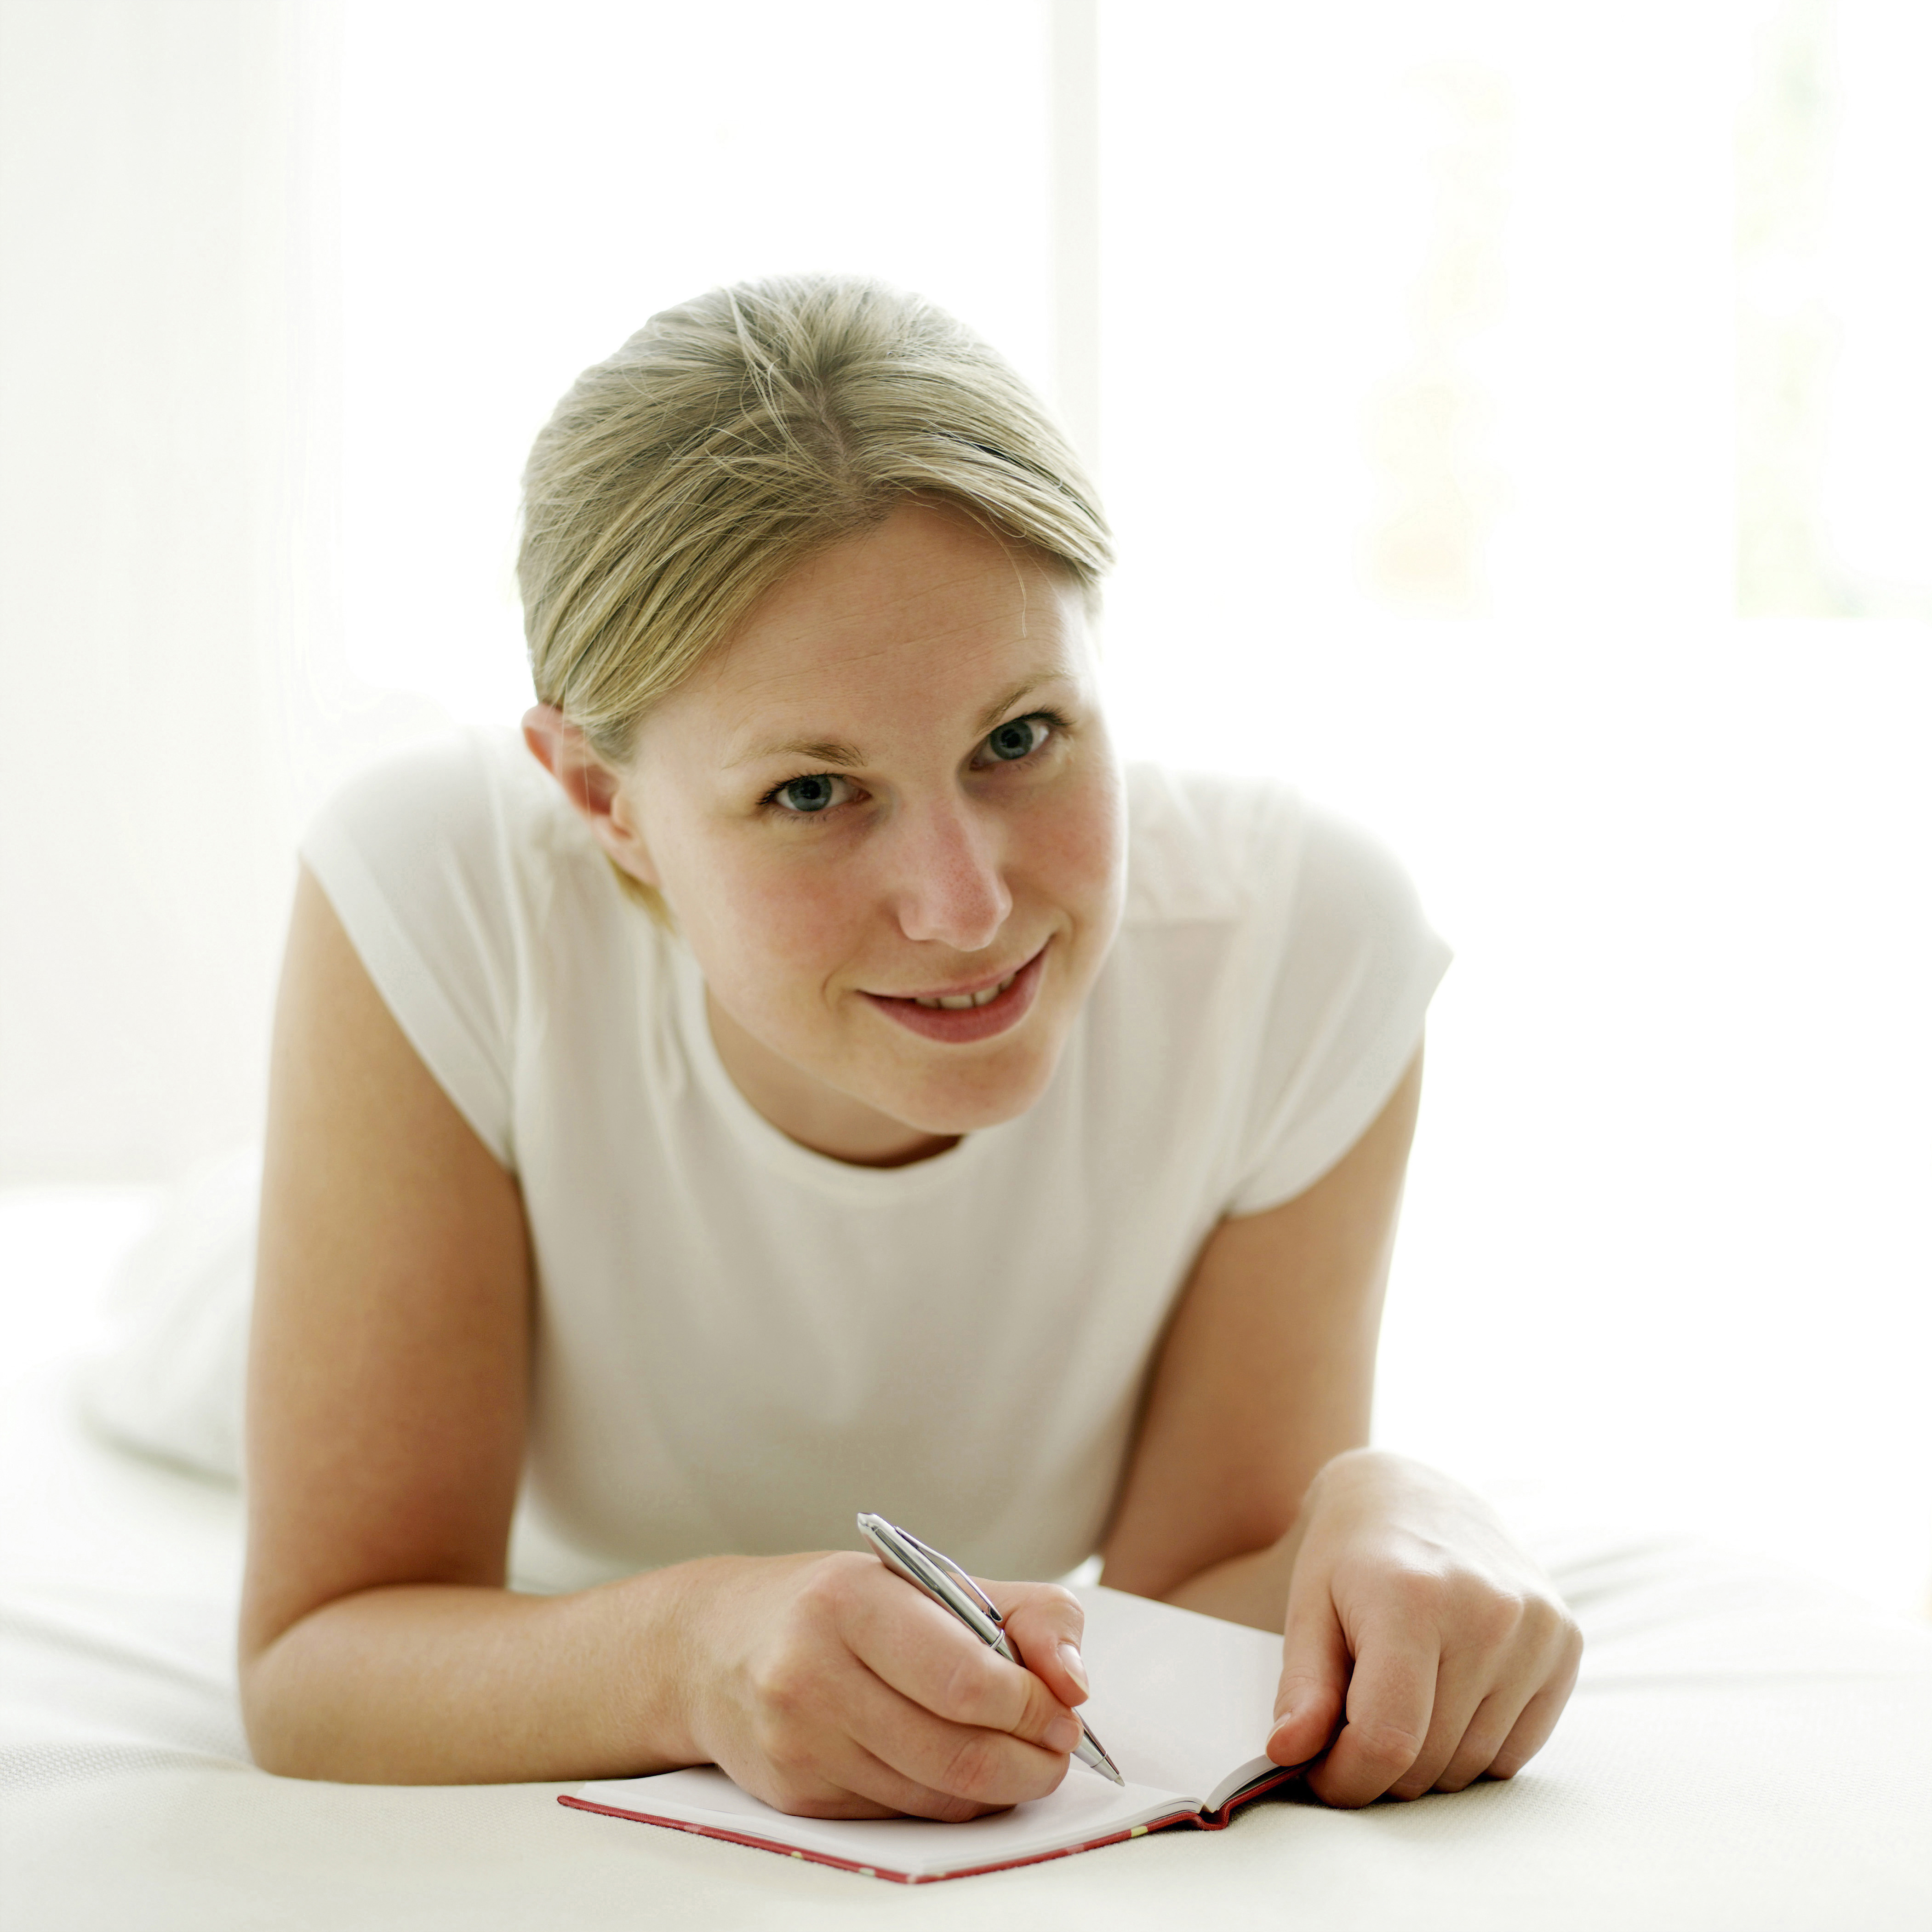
{"x":592,"y":786}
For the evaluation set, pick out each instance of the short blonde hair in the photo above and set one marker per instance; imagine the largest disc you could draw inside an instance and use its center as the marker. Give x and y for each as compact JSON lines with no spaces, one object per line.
{"x":734,"y":436}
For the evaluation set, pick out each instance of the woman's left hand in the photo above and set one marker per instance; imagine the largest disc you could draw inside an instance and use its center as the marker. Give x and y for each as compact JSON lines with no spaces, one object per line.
{"x":1424,"y":1650}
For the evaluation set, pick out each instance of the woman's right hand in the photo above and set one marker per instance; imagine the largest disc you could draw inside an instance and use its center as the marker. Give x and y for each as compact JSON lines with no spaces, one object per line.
{"x":831,"y":1688}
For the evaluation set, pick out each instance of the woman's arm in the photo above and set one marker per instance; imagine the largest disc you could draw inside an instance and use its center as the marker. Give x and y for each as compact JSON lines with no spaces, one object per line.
{"x":1407,"y":1610}
{"x":387,"y":1396}
{"x":389,"y":1358}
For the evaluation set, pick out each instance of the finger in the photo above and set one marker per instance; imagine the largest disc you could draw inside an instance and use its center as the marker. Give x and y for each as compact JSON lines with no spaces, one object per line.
{"x":1391,"y":1693}
{"x":1542,"y":1649}
{"x":963,"y":1761}
{"x":927,"y":1655}
{"x":823,"y":1723}
{"x":1531,"y":1731}
{"x":909,"y":1798}
{"x":1463,"y":1686}
{"x":843,"y":1780}
{"x":1314,"y":1670}
{"x":1495,"y":1718}
{"x":1500,"y":1712}
{"x":1045,"y":1624}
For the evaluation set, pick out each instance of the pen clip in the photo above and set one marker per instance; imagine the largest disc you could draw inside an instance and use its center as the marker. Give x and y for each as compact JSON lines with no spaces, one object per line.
{"x":941,"y":1561}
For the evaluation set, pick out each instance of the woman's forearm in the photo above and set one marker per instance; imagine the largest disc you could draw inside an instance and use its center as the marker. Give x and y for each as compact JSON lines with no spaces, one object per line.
{"x":442,"y":1683}
{"x":1251,"y":1589}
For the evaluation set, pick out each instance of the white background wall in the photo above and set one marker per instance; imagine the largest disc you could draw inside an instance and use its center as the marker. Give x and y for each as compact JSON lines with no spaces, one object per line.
{"x":1424,"y":340}
{"x":149,"y":414}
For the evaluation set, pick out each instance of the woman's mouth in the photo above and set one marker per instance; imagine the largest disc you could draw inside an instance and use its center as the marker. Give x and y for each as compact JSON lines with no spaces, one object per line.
{"x":974,"y":1013}
{"x":957,"y":1003}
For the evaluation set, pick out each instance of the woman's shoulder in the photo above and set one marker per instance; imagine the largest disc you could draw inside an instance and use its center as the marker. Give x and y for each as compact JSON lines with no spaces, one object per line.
{"x":1294,"y":944}
{"x":462,"y":877}
{"x":470,"y":813}
{"x":1211,"y":845}
{"x":1192,"y":838}
{"x":465,"y":788}
{"x":1306,"y":906}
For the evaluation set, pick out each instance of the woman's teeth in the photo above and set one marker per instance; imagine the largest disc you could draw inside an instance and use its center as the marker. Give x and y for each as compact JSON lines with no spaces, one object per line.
{"x":957,"y":1003}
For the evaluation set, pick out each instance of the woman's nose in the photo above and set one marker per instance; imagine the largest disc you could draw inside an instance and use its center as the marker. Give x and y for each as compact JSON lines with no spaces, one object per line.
{"x":948,"y":886}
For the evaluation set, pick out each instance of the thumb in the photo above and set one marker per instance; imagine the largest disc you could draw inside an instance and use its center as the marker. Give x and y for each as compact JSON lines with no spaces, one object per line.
{"x":1314,"y":1688}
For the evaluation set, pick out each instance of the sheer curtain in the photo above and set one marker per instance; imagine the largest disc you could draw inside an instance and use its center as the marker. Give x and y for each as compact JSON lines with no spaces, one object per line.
{"x":1512,"y":419}
{"x":1515,"y":425}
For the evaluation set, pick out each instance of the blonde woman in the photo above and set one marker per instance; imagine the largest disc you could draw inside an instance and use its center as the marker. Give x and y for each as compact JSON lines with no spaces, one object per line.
{"x":819,"y":1080}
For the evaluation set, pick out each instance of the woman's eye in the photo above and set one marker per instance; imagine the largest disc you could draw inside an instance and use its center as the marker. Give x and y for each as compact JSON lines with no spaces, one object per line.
{"x":811,"y":794}
{"x":1018,"y":739}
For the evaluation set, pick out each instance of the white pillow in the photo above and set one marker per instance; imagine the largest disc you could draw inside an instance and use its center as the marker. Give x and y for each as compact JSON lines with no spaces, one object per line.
{"x":168,"y":1382}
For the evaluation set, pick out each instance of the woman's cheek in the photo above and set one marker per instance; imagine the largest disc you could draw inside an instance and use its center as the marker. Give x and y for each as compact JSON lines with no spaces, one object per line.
{"x":1081,"y":845}
{"x":793,"y":927}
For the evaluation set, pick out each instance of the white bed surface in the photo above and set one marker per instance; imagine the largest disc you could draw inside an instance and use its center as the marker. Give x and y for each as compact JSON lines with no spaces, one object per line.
{"x":1747,"y":1748}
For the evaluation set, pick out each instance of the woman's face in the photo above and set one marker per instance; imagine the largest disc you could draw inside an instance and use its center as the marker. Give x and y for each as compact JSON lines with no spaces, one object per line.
{"x":889,"y":824}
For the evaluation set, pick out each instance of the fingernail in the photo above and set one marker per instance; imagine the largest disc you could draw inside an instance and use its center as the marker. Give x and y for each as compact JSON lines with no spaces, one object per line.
{"x":1069,"y":1658}
{"x":1063,"y":1734}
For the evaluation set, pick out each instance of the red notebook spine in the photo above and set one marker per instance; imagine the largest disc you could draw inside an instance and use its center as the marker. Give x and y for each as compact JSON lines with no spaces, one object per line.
{"x":1206,"y":1821}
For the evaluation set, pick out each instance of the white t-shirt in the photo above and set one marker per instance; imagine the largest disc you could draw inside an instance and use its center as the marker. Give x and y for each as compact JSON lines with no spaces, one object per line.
{"x":741,"y":1343}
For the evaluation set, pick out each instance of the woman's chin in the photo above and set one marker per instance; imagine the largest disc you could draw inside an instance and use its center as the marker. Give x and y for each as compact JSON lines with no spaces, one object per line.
{"x":968,"y":1099}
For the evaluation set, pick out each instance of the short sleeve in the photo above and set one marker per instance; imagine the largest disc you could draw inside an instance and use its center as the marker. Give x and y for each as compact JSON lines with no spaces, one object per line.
{"x":413,"y":857}
{"x":1345,"y":979}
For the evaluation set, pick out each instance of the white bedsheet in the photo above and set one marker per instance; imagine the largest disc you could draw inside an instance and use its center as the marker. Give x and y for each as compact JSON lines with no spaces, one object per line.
{"x":1746,"y":1749}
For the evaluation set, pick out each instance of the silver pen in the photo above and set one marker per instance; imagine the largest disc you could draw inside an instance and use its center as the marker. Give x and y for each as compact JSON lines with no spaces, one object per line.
{"x":952,"y":1589}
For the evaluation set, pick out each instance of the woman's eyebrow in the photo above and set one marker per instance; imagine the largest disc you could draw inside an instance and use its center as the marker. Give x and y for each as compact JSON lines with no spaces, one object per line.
{"x":820,"y":751}
{"x":833,"y":751}
{"x":1024,"y":688}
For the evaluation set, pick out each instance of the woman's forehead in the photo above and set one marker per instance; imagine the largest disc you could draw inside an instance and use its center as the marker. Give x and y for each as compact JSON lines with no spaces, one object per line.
{"x":924,"y":617}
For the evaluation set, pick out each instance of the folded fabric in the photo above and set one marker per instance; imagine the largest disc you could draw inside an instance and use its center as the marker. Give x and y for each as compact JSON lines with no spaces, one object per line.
{"x":169,"y":1383}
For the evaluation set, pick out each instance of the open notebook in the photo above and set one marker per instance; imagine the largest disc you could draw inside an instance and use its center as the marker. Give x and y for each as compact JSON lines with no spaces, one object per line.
{"x":1182,"y":1702}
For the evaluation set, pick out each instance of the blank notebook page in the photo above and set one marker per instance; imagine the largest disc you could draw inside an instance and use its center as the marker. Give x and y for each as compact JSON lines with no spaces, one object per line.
{"x":1182,"y":1703}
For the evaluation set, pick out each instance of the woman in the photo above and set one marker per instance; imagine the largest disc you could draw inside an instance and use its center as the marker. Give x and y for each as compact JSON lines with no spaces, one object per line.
{"x":834,"y":1087}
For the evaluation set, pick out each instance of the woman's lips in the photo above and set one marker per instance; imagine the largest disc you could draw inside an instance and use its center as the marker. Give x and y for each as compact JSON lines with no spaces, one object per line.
{"x":957,"y":1025}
